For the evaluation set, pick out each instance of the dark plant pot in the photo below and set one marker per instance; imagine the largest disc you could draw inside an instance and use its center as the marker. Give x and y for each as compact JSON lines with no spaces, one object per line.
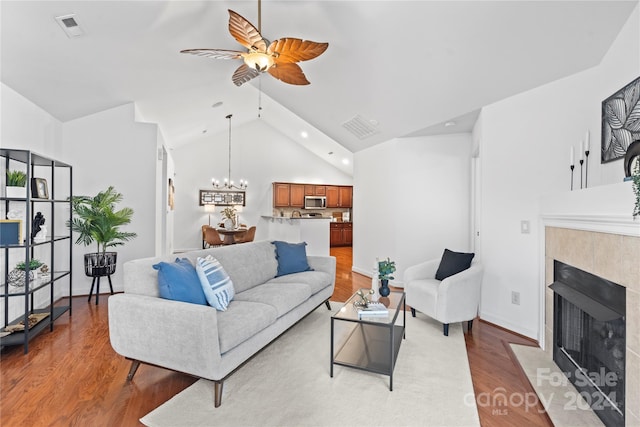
{"x":384,"y":289}
{"x":99,"y":264}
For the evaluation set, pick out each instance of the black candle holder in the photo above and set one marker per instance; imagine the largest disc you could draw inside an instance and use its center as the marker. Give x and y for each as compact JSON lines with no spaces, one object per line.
{"x":581,"y":163}
{"x":571,"y":167}
{"x":586,"y":169}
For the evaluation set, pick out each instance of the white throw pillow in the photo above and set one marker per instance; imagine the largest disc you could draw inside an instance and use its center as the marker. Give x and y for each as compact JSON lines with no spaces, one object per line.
{"x":216,"y":284}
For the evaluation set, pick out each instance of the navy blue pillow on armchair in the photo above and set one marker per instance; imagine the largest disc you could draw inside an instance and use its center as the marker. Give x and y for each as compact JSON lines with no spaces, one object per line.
{"x":453,"y":263}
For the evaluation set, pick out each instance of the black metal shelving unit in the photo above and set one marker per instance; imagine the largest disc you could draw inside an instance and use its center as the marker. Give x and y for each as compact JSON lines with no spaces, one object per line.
{"x":58,"y":207}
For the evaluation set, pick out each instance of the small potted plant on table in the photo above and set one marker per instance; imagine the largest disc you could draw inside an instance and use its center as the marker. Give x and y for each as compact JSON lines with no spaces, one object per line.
{"x":386,"y":267}
{"x":16,"y":183}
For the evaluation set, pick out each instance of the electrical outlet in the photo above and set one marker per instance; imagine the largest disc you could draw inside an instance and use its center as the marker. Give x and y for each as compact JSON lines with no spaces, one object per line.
{"x":524,"y":227}
{"x":515,"y":297}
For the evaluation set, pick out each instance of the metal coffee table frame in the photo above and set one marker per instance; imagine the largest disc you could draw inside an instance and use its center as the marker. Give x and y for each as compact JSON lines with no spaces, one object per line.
{"x":373,"y":343}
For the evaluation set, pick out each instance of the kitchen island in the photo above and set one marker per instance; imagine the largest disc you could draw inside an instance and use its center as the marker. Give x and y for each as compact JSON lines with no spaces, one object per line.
{"x":313,"y":230}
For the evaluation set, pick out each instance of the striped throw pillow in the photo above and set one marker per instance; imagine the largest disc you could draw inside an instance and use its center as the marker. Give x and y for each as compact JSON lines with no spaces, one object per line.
{"x":217,"y":286}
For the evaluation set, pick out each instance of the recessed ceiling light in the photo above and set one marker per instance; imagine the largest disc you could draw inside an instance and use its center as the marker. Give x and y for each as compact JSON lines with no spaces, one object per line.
{"x":204,"y":131}
{"x":217,"y":104}
{"x":304,"y":134}
{"x":449,"y":124}
{"x":345,"y":161}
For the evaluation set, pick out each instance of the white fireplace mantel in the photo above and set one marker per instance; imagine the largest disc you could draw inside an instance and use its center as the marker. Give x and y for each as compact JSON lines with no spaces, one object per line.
{"x":605,"y":209}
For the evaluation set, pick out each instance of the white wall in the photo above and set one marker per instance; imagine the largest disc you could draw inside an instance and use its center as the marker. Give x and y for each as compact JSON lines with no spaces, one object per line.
{"x":261,"y":155}
{"x":411,"y":200}
{"x":525,"y":144}
{"x":110,"y":148}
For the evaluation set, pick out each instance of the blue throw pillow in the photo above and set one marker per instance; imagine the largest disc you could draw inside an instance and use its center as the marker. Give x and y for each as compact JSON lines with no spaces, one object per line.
{"x":179,"y":281}
{"x":215,"y":282}
{"x":292,"y":257}
{"x":453,"y":263}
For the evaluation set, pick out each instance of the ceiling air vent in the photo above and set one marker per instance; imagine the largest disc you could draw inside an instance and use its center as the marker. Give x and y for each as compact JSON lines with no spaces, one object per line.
{"x":70,"y":26}
{"x":360,"y":127}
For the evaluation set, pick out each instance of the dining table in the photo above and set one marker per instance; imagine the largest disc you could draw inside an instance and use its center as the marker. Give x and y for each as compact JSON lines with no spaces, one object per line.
{"x":230,"y":234}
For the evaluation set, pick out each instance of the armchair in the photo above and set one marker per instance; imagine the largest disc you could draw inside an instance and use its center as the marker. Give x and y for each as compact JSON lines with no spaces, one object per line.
{"x":454,"y":299}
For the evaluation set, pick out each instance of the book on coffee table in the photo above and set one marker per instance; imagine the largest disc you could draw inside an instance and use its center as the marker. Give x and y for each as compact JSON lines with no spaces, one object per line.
{"x":373,"y":309}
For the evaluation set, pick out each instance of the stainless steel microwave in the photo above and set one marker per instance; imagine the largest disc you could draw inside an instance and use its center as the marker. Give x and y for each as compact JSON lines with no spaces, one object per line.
{"x":315,"y":202}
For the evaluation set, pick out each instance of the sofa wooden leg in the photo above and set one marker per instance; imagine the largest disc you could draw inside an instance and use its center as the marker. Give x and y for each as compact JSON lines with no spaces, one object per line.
{"x":469,"y":325}
{"x":445,"y":328}
{"x":135,"y":364}
{"x":217,"y":387}
{"x":413,"y":312}
{"x":328,"y":304}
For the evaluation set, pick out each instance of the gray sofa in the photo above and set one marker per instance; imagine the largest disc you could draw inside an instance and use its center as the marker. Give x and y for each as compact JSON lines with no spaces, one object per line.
{"x":198,"y":339}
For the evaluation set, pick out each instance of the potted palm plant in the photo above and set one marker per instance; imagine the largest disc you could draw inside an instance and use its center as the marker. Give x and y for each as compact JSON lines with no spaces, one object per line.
{"x":16,"y":183}
{"x":96,"y":220}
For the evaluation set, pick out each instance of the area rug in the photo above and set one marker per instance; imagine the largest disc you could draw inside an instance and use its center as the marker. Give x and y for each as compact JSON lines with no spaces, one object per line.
{"x":288,"y":384}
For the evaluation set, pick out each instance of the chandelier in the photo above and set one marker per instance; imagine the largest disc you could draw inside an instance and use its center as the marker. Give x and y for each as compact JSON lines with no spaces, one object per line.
{"x":228,"y":182}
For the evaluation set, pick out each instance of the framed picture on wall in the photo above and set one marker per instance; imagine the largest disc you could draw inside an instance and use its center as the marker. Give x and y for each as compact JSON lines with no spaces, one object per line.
{"x":39,"y":189}
{"x":620,"y":121}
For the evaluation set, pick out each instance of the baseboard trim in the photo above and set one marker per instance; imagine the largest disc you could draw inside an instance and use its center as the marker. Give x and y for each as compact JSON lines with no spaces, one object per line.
{"x":505,"y":324}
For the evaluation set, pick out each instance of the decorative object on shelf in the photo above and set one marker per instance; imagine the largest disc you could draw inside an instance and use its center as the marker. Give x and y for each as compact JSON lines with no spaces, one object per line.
{"x":17,"y":213}
{"x":32,"y":321}
{"x":620,"y":121}
{"x":374,"y":283}
{"x":279,"y":58}
{"x":228,"y":182}
{"x":39,"y":189}
{"x":16,"y":183}
{"x":385,"y":269}
{"x":631,"y":158}
{"x":37,"y":224}
{"x":571,"y":164}
{"x":364,"y":298}
{"x":586,"y":155}
{"x":97,"y":220}
{"x":17,"y":276}
{"x":10,"y":232}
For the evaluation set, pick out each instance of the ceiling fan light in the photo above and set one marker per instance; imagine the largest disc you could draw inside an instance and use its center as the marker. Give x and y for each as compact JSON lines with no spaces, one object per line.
{"x":258,"y":61}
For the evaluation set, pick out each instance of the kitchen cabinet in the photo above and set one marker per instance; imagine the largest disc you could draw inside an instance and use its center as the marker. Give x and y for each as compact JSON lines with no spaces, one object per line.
{"x":315,"y":190}
{"x":288,"y":195}
{"x":339,"y":196}
{"x":280,"y":194}
{"x":341,"y":233}
{"x":296,"y":195}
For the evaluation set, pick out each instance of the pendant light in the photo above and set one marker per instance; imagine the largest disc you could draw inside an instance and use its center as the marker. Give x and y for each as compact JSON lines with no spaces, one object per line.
{"x":228,"y":182}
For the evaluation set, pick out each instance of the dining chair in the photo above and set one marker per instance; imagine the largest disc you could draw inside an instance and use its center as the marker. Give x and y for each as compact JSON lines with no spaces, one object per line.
{"x":248,"y":236}
{"x":210,"y":237}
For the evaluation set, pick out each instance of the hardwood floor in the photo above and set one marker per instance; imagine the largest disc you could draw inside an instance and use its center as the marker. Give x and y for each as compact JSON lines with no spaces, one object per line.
{"x":72,"y":376}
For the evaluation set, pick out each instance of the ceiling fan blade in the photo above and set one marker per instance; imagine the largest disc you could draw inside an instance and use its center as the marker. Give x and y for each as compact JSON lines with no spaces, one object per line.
{"x":215,"y":53}
{"x":289,"y":72}
{"x":245,"y":33}
{"x":294,"y":50}
{"x":243,"y":74}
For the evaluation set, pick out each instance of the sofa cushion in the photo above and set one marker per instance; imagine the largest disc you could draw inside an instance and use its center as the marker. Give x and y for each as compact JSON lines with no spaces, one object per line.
{"x":241,"y":321}
{"x":291,"y":257}
{"x":216,"y":284}
{"x":179,"y":281}
{"x":248,"y":264}
{"x":453,"y":263}
{"x":316,"y":280}
{"x":282,"y":296}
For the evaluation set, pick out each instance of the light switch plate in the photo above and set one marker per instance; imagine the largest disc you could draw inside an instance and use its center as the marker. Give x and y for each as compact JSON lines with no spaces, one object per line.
{"x":524,"y":227}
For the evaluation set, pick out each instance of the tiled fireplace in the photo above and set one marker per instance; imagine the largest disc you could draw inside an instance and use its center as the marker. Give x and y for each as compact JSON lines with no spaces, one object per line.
{"x":607,"y":246}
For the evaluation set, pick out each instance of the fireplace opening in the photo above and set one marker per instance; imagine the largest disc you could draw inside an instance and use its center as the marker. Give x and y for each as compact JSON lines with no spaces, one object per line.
{"x":590,"y":338}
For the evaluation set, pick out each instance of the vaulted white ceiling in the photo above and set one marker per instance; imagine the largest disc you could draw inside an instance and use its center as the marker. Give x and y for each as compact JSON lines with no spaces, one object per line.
{"x":406,"y":67}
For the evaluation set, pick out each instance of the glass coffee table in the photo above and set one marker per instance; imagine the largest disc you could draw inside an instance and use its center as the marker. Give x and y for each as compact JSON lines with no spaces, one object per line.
{"x":369,"y":343}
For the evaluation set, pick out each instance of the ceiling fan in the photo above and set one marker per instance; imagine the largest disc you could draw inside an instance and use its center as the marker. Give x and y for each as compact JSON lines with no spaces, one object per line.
{"x":278,"y":58}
